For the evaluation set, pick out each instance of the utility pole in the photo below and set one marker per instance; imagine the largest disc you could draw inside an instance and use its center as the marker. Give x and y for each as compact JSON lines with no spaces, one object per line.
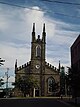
{"x":7,"y":77}
{"x":1,"y":63}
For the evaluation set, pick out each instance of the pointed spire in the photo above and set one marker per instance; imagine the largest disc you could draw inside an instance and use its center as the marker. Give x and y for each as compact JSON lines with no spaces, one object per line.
{"x":59,"y":66}
{"x":33,"y":27}
{"x":16,"y":62}
{"x":33,"y":33}
{"x":16,"y":66}
{"x":44,"y":34}
{"x":44,"y":27}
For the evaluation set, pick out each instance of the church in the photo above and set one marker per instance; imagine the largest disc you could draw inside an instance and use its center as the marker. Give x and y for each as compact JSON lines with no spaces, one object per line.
{"x":46,"y":74}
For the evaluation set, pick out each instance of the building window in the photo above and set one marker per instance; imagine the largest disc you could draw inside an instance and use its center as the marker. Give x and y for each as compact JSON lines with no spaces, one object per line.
{"x":38,"y":51}
{"x":51,"y":82}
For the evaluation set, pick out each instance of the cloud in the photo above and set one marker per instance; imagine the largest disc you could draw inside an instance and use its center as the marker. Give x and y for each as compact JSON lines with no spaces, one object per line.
{"x":11,"y":53}
{"x":16,"y":28}
{"x":15,"y":43}
{"x":34,"y":16}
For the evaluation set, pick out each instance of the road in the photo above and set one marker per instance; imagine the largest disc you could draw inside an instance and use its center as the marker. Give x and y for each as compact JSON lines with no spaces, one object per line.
{"x":32,"y":102}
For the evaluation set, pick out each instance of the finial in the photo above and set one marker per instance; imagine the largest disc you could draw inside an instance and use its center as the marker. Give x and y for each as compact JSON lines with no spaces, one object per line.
{"x":33,"y":27}
{"x":38,"y":37}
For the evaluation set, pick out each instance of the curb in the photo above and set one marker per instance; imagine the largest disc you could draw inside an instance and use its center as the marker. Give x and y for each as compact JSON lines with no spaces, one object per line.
{"x":66,"y":103}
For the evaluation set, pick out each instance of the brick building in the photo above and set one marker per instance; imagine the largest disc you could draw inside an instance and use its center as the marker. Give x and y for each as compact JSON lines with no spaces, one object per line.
{"x":43,"y":72}
{"x":75,"y":54}
{"x":75,"y":66}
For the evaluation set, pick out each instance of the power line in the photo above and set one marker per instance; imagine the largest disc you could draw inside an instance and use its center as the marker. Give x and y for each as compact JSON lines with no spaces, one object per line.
{"x":12,"y":4}
{"x":19,"y":6}
{"x":61,"y":2}
{"x":62,"y":14}
{"x":72,"y":16}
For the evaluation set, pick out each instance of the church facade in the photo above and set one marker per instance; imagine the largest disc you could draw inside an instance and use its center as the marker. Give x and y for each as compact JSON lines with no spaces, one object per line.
{"x":46,"y":74}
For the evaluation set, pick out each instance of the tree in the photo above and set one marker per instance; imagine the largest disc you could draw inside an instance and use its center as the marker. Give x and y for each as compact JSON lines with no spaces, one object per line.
{"x":26,"y":84}
{"x":62,"y":81}
{"x":56,"y":90}
{"x":1,"y":82}
{"x":68,"y":78}
{"x":1,"y":62}
{"x":73,"y":81}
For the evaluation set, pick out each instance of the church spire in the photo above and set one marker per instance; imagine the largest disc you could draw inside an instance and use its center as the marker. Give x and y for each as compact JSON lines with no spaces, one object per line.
{"x":44,"y":27}
{"x":59,"y":66}
{"x":33,"y":32}
{"x":44,"y":34}
{"x":16,"y":63}
{"x":33,"y":27}
{"x":16,"y":66}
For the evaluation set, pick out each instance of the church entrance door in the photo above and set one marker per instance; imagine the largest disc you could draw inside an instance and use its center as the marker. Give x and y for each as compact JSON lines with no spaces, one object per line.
{"x":37,"y":92}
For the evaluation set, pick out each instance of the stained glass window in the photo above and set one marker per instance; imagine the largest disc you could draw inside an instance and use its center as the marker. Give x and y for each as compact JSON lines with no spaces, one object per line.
{"x":51,"y":84}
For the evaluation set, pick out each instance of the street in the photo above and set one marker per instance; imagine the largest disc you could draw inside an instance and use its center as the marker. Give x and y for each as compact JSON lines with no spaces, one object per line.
{"x":32,"y":102}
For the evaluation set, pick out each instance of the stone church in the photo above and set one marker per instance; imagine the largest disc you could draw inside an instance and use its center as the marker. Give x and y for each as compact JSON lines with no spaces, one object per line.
{"x":43,"y":72}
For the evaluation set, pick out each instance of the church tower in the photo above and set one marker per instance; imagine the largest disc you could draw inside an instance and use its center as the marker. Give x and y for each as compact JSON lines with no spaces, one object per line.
{"x":38,"y":55}
{"x":38,"y":51}
{"x":43,"y":72}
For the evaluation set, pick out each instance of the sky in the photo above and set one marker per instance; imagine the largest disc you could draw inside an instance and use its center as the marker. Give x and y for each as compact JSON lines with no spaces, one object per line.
{"x":62,"y":22}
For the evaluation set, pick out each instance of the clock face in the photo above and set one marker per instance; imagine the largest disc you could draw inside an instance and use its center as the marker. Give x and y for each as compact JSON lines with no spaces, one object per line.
{"x":37,"y":66}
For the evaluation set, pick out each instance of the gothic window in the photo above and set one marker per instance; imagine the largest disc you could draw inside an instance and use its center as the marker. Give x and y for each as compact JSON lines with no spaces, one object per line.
{"x":51,"y":82}
{"x":38,"y":51}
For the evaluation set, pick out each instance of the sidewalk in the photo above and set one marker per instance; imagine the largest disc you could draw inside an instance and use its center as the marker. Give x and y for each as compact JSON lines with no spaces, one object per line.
{"x":72,"y":101}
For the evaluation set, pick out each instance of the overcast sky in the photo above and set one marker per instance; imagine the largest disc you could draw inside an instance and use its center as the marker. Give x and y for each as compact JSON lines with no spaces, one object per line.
{"x":62,"y":22}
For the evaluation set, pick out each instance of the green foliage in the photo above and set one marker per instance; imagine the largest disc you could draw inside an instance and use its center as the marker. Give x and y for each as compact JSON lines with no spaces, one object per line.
{"x":25,"y":84}
{"x":1,"y":82}
{"x":56,"y":86}
{"x":62,"y":81}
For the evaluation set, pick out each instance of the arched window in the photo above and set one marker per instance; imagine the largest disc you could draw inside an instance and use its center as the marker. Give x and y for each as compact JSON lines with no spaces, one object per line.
{"x":38,"y":51}
{"x":51,"y":82}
